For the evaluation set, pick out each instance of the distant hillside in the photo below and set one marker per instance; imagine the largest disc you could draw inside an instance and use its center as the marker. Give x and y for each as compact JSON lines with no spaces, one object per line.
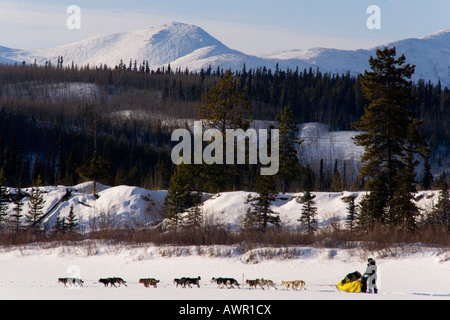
{"x":187,"y":46}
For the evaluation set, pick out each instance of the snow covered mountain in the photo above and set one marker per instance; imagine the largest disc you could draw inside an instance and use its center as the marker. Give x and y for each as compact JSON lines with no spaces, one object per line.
{"x":430,"y":54}
{"x":187,"y":46}
{"x":181,"y":45}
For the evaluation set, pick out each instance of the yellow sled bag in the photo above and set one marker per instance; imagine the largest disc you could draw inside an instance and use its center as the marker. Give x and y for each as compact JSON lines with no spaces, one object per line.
{"x":351,"y":283}
{"x":354,"y":286}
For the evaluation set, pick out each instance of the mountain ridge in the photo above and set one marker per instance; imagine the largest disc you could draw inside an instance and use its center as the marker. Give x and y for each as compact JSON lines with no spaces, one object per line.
{"x":188,"y":46}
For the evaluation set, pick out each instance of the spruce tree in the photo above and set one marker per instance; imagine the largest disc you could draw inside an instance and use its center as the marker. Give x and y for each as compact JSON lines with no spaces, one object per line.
{"x":336,"y":180}
{"x":385,"y":126}
{"x":2,"y":154}
{"x":194,"y":217}
{"x":427,"y":179}
{"x":260,"y":214}
{"x":3,"y":198}
{"x":180,"y":195}
{"x":60,"y":225}
{"x":321,"y":178}
{"x":440,"y":216}
{"x":36,"y":205}
{"x":352,"y":214}
{"x":71,"y":223}
{"x":16,"y":216}
{"x":403,"y":211}
{"x":97,"y":171}
{"x":225,"y":106}
{"x":309,"y":212}
{"x":289,"y":163}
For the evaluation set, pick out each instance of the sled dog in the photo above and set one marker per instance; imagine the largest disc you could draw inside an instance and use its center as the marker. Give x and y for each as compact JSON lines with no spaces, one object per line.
{"x":71,"y":282}
{"x":229,"y":282}
{"x":149,"y":282}
{"x":192,"y":281}
{"x":112,"y":281}
{"x":254,"y":283}
{"x":266,"y":282}
{"x":295,"y":284}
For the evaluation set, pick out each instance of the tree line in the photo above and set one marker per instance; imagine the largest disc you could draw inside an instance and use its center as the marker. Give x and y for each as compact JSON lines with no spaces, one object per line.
{"x":388,"y":131}
{"x":54,"y":135}
{"x":333,"y":99}
{"x":66,"y":139}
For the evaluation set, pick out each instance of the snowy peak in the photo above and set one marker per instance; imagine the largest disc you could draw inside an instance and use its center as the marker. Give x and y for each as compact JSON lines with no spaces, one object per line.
{"x":175,"y":40}
{"x":159,"y":45}
{"x":430,"y":54}
{"x":188,"y":46}
{"x":445,"y":33}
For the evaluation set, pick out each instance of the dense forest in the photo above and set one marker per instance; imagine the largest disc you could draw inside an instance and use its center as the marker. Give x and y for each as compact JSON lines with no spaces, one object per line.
{"x":53,"y":119}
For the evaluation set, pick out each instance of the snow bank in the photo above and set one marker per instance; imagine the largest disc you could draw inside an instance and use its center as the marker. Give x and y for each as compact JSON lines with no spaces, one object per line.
{"x":122,"y":205}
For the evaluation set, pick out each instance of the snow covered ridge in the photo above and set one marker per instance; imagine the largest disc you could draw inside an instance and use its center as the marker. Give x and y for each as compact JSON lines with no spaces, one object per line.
{"x":133,"y":206}
{"x":188,"y":46}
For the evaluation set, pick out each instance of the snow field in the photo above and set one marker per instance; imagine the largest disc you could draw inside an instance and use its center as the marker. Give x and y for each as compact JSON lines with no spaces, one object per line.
{"x":31,"y":272}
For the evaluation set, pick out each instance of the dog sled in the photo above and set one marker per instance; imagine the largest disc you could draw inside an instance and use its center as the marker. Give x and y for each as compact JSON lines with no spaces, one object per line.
{"x":353,"y":282}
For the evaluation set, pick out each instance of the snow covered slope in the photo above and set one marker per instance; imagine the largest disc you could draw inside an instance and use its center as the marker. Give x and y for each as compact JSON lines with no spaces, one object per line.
{"x":188,"y":46}
{"x":430,"y":54}
{"x":415,"y":272}
{"x":137,"y":207}
{"x":158,"y":45}
{"x":179,"y":44}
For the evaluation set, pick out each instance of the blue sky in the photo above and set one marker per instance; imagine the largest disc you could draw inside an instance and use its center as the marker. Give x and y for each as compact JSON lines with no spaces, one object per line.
{"x":251,"y":26}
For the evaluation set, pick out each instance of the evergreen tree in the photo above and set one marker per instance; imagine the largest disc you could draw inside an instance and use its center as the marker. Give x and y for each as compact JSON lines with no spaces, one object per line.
{"x":60,"y":225}
{"x":36,"y":204}
{"x":352,"y":214}
{"x":427,"y":179}
{"x":440,"y":216}
{"x":3,"y":198}
{"x":16,"y":216}
{"x":12,"y":162}
{"x":385,"y":124}
{"x":225,"y":106}
{"x":289,"y":163}
{"x":309,"y":213}
{"x":61,"y":162}
{"x":71,"y":223}
{"x":179,"y":195}
{"x":336,"y":180}
{"x":162,"y":173}
{"x":308,"y":182}
{"x":321,"y":179}
{"x":403,"y":210}
{"x":260,"y":214}
{"x":97,"y":171}
{"x":194,"y":217}
{"x":121,"y":177}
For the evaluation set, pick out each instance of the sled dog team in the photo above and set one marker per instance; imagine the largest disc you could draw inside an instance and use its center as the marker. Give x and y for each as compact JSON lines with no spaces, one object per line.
{"x":353,"y":282}
{"x":183,"y":282}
